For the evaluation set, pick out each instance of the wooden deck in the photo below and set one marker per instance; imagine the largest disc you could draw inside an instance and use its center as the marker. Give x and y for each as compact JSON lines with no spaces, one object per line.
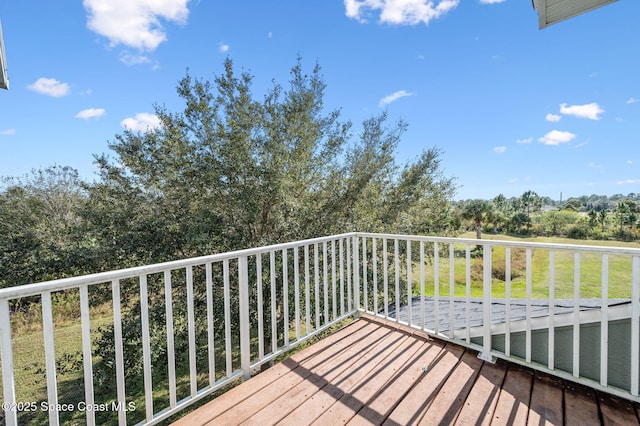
{"x":373,"y":372}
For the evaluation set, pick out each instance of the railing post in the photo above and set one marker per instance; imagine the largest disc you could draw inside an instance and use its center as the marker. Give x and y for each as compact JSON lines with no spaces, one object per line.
{"x":245,"y":335}
{"x":485,"y":355}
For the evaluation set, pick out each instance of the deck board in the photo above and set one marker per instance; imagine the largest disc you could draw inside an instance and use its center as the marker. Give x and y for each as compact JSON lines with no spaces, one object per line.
{"x":375,"y":372}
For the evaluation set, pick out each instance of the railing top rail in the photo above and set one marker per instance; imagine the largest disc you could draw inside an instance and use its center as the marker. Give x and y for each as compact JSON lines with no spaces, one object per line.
{"x":103,"y":277}
{"x":506,"y":243}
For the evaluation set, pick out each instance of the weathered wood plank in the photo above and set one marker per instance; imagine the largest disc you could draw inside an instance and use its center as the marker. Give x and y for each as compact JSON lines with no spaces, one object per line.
{"x":481,"y":402}
{"x":384,"y":401}
{"x":235,"y":396}
{"x":320,"y":402}
{"x":513,"y":402}
{"x":450,"y":399}
{"x":411,"y":408}
{"x":581,"y":406}
{"x":617,"y":411}
{"x":321,"y":373}
{"x":350,"y":403}
{"x":545,"y":407}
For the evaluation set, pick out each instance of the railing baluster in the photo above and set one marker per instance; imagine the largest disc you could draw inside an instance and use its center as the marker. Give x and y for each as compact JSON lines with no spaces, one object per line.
{"x":6,"y":357}
{"x":146,"y":348}
{"x":422,"y":285}
{"x":385,"y":267}
{"x":245,"y":332}
{"x":341,"y":276}
{"x":227,"y":317}
{"x":285,"y":296}
{"x":171,"y":356}
{"x":191,"y":329}
{"x":296,"y":289}
{"x":210,"y":335}
{"x":507,"y":307}
{"x":576,"y":314}
{"x":119,"y":352}
{"x":374,"y":261}
{"x":85,"y":322}
{"x":552,"y":311}
{"x":396,"y":265}
{"x":334,"y":282}
{"x":259,"y":289}
{"x":635,"y":323}
{"x":307,"y":290}
{"x":604,"y":322}
{"x":325,"y":281}
{"x":467,"y":278}
{"x":365,"y":284}
{"x":528,"y":308}
{"x":274,"y":322}
{"x":356,"y":272}
{"x":50,"y":357}
{"x":316,"y":281}
{"x":452,"y":283}
{"x":486,"y":303}
{"x":409,"y":282}
{"x":349,"y":261}
{"x":436,"y":288}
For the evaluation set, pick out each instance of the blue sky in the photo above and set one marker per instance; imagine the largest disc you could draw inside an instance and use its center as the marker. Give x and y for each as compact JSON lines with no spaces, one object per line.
{"x":512,"y":107}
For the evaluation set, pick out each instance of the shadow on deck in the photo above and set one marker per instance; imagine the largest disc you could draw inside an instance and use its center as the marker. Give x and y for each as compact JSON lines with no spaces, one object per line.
{"x":374,"y":372}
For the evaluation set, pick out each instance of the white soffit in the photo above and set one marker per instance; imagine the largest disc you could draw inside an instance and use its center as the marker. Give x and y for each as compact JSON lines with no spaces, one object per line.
{"x":4,"y":80}
{"x":553,"y":11}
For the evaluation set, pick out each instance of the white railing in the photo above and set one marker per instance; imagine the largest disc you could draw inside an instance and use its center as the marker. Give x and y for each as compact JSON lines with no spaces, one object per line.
{"x":579,"y":301}
{"x":217,"y":319}
{"x":268,"y":300}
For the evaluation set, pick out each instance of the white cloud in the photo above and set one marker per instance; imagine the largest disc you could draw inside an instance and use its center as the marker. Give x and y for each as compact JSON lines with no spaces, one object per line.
{"x":91,"y":113}
{"x":524,"y":141}
{"x":401,"y":12}
{"x":141,"y":122}
{"x":50,"y":87}
{"x":556,"y":137}
{"x":553,"y":118}
{"x":591,"y":111}
{"x":632,"y":101}
{"x":8,"y":132}
{"x":394,"y":97}
{"x":223,"y":48}
{"x":128,"y":58}
{"x":628,"y":181}
{"x":499,"y":149}
{"x":134,"y":23}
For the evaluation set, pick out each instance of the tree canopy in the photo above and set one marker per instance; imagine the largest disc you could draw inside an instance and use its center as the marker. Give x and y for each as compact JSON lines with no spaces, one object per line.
{"x":231,"y":171}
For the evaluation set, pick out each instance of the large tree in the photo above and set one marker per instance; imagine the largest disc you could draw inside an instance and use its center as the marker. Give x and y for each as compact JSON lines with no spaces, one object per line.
{"x":231,"y":171}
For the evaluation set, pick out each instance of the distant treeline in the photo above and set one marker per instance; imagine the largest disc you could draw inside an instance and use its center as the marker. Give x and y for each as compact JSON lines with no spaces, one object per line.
{"x":596,"y":216}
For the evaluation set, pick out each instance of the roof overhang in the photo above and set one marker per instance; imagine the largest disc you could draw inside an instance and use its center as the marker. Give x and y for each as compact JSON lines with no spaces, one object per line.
{"x":4,"y":80}
{"x":554,"y":11}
